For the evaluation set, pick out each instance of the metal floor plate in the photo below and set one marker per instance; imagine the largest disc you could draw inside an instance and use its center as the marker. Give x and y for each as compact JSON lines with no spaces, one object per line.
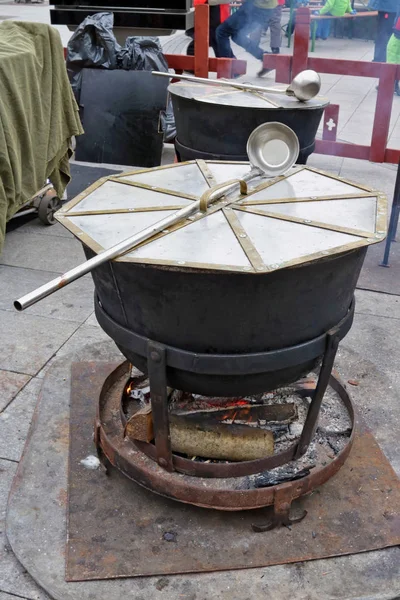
{"x":118,"y":529}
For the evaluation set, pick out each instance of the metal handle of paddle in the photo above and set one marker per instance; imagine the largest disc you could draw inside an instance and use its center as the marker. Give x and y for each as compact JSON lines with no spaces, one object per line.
{"x":216,"y":192}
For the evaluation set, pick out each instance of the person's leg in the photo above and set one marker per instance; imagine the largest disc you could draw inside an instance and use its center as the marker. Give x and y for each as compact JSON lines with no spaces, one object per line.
{"x":384,"y":31}
{"x":326,"y":28}
{"x":229,"y":28}
{"x":388,"y":29}
{"x":214,"y":43}
{"x":379,"y":54}
{"x":275,"y":29}
{"x":255,"y":17}
{"x":255,"y":36}
{"x":319,"y":30}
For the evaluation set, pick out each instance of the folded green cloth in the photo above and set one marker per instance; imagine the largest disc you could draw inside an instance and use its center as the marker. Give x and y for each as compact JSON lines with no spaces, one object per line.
{"x":38,"y":115}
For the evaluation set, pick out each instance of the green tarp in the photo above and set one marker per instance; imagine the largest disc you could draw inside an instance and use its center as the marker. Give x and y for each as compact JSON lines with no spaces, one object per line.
{"x":38,"y":115}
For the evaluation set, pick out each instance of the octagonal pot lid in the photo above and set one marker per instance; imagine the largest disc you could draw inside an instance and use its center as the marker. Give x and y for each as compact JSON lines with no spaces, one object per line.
{"x":302,"y":216}
{"x":241,"y":98}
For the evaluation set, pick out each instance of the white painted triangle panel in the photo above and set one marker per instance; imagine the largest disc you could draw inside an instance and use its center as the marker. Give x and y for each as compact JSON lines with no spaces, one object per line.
{"x":112,"y":195}
{"x":278,"y":242}
{"x":108,"y":230}
{"x":354,"y":213}
{"x":304,"y":184}
{"x":186,"y":179}
{"x":207,"y":241}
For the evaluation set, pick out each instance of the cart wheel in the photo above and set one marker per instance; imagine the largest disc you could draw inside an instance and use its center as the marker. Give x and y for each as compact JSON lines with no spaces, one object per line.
{"x":48,"y":205}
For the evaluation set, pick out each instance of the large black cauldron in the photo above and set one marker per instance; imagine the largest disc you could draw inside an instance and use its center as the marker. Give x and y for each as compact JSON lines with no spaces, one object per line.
{"x":246,"y":283}
{"x":214,"y":123}
{"x":228,"y":313}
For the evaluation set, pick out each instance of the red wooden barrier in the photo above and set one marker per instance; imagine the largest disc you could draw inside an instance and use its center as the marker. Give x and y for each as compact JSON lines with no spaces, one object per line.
{"x":287,"y":67}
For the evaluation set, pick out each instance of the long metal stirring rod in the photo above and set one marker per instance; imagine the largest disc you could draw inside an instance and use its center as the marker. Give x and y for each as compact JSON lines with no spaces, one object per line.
{"x":126,"y":245}
{"x":230,"y":84}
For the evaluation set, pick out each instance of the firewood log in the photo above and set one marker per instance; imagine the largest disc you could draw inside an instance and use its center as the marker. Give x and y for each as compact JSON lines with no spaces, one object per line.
{"x":218,"y":440}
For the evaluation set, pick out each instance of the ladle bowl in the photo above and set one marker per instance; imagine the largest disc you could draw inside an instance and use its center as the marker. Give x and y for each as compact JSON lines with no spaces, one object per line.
{"x":305,"y":86}
{"x":273,"y":148}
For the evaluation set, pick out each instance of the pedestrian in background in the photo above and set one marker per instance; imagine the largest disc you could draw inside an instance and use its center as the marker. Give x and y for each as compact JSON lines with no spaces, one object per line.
{"x":393,"y":48}
{"x":336,"y":8}
{"x":252,"y":14}
{"x":387,"y":10}
{"x":219,"y":12}
{"x":275,"y":28}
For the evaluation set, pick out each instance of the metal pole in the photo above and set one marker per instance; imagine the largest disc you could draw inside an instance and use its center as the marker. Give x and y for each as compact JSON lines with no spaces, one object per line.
{"x":247,"y":87}
{"x":394,"y":219}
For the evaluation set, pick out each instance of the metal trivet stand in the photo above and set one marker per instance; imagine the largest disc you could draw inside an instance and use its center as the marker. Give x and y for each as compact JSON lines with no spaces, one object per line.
{"x":160,"y":356}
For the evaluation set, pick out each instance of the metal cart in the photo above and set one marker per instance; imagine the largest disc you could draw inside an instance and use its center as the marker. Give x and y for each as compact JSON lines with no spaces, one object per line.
{"x":45,"y":203}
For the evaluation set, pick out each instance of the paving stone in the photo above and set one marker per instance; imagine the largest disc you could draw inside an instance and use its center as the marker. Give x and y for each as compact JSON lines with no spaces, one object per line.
{"x":35,"y":226}
{"x":13,"y":577}
{"x":370,"y":174}
{"x":375,"y":396}
{"x":72,"y":303}
{"x":332,"y":164}
{"x":168,"y":154}
{"x":77,"y":343}
{"x":15,"y":421}
{"x":29,"y":341}
{"x":10,"y":384}
{"x":377,"y":339}
{"x":92,"y":321}
{"x":41,"y":252}
{"x":354,"y":85}
{"x":375,"y":303}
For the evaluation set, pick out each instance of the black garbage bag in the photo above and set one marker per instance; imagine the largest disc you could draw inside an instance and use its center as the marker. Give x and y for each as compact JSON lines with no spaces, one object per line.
{"x":93,"y":44}
{"x":142,"y":54}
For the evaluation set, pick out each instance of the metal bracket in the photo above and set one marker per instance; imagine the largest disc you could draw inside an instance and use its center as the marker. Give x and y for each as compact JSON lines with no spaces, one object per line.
{"x":157,"y":371}
{"x":281,"y":510}
{"x":332,"y":343}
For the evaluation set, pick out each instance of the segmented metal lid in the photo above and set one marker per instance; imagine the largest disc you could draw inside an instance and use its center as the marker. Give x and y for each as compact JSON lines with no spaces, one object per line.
{"x":231,"y":97}
{"x":299,"y":217}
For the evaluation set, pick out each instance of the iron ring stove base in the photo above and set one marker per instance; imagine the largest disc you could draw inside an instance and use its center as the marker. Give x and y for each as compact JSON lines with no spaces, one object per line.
{"x":159,"y":356}
{"x":230,"y":493}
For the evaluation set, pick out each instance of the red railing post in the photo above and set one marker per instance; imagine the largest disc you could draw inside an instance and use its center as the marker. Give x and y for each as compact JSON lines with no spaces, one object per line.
{"x":331,"y":122}
{"x":283,"y":69}
{"x":201,"y":40}
{"x":383,"y":111}
{"x":301,"y":41}
{"x":225,"y":68}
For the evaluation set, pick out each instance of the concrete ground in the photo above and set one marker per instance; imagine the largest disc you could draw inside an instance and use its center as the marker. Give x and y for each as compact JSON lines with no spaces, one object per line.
{"x":62,"y":324}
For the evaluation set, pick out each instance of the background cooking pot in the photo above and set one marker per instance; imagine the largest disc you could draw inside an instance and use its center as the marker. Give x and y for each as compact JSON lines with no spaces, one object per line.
{"x":214,"y":123}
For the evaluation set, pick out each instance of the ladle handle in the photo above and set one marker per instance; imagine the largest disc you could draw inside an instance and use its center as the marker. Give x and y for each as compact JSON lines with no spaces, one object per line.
{"x":246,"y":87}
{"x":128,"y":244}
{"x":220,"y":190}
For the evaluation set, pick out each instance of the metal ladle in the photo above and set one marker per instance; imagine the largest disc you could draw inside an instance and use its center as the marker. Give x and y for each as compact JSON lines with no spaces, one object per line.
{"x":257,"y":149}
{"x":305,"y":86}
